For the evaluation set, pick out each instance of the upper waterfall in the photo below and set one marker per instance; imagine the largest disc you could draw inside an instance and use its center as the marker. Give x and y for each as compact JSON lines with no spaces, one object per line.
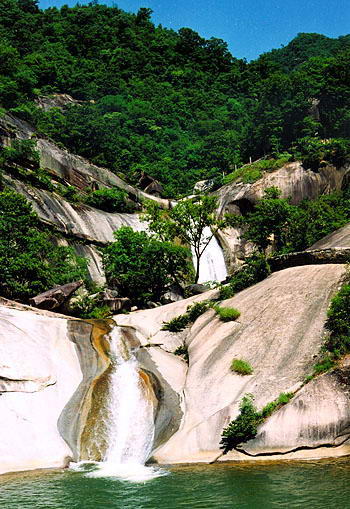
{"x":212,"y":265}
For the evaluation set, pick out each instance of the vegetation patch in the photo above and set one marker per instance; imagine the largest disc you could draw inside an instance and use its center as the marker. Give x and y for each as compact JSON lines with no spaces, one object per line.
{"x":31,"y":263}
{"x":241,"y":367}
{"x":245,"y":426}
{"x":250,"y":173}
{"x":182,"y":351}
{"x":227,"y":314}
{"x":255,"y":269}
{"x":110,"y":200}
{"x":193,"y":312}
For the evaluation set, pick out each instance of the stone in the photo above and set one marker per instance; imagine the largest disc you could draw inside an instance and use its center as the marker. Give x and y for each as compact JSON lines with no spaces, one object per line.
{"x":203,"y":186}
{"x":196,"y":289}
{"x":117,"y":304}
{"x":54,"y":298}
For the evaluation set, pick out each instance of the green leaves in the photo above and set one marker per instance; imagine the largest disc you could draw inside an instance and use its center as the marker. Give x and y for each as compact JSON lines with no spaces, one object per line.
{"x":141,"y":267}
{"x":30,"y":262}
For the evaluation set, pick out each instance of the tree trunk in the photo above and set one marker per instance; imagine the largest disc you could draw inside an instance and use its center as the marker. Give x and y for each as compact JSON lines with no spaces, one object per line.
{"x":197,"y":269}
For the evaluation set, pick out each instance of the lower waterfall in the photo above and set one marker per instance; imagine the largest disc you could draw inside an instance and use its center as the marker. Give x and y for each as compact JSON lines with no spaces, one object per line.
{"x":129,"y":419}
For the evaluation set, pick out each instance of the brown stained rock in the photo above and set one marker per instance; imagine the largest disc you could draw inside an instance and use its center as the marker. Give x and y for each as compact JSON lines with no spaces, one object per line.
{"x":55,"y":297}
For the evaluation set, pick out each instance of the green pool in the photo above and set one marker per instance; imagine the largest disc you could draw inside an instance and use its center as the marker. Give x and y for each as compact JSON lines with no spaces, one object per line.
{"x":314,"y":485}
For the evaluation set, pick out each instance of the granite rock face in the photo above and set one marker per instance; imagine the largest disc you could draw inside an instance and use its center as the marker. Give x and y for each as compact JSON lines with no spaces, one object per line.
{"x":280,"y":333}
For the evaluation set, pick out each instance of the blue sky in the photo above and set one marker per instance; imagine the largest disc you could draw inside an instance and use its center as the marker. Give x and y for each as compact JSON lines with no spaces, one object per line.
{"x":250,"y":27}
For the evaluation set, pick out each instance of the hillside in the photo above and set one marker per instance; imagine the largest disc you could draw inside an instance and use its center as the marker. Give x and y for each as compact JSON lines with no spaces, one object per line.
{"x":171,"y":104}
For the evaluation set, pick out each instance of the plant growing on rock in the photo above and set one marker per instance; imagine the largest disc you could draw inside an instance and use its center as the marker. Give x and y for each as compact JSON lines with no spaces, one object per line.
{"x":245,"y":426}
{"x":193,"y":312}
{"x":241,"y":367}
{"x":110,"y":200}
{"x":182,"y":351}
{"x":227,"y":314}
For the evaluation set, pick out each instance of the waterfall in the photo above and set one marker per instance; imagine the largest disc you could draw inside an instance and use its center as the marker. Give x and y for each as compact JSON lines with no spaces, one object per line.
{"x":129,"y":419}
{"x":212,"y":265}
{"x":130,"y":412}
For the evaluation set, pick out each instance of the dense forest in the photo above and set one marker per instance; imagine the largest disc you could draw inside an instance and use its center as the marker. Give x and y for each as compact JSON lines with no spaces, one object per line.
{"x":172,"y":104}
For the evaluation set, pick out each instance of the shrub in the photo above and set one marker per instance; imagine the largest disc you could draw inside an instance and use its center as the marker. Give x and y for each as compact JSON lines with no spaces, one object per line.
{"x":176,"y":324}
{"x":282,"y":399}
{"x":193,"y":312}
{"x":182,"y":351}
{"x":227,"y":314}
{"x":338,"y":323}
{"x":141,"y":267}
{"x":110,"y":200}
{"x":255,"y":270}
{"x":250,"y":173}
{"x":243,"y":428}
{"x":325,"y":364}
{"x":241,"y":367}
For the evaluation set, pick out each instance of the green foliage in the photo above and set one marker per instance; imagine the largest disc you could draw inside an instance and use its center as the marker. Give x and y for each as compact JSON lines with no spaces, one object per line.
{"x":193,"y":312}
{"x":173,"y":104}
{"x":250,"y":173}
{"x":282,"y":399}
{"x":182,"y":351}
{"x":315,"y":152}
{"x":110,"y":200}
{"x":176,"y":324}
{"x":141,"y":267}
{"x":186,"y":221}
{"x":31,"y":263}
{"x":245,"y":426}
{"x":227,"y":314}
{"x":241,"y":367}
{"x":325,"y":364}
{"x":338,"y":322}
{"x":255,"y":269}
{"x":275,"y":222}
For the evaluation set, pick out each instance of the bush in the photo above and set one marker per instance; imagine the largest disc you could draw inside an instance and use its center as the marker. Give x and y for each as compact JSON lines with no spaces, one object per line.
{"x":250,"y":173}
{"x":176,"y":324}
{"x":243,"y":428}
{"x":193,"y":312}
{"x":241,"y":367}
{"x":255,"y":270}
{"x":282,"y":399}
{"x":30,"y":263}
{"x":182,"y":351}
{"x":143,"y":268}
{"x":110,"y":200}
{"x":338,"y":323}
{"x":227,"y":314}
{"x":325,"y":364}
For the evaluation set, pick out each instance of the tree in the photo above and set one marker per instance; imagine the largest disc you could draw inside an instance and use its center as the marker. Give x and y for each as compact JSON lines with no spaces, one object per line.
{"x":30,"y":262}
{"x":193,"y":221}
{"x":143,"y":268}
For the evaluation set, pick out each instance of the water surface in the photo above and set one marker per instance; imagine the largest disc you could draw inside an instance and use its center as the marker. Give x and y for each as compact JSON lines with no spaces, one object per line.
{"x":314,"y":485}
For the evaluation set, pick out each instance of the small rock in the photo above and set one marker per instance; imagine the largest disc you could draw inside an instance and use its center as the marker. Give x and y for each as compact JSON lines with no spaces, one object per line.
{"x":196,"y":289}
{"x":134,"y":308}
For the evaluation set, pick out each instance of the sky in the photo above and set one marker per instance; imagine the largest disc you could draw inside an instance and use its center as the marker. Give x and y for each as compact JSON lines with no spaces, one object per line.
{"x":250,"y":27}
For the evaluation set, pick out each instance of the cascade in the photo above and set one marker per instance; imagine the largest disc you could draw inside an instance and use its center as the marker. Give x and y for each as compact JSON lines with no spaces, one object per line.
{"x":212,"y":263}
{"x":129,"y":419}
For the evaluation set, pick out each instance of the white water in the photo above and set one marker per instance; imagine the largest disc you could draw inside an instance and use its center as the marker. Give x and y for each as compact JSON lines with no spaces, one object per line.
{"x":130,"y":426}
{"x":212,"y":265}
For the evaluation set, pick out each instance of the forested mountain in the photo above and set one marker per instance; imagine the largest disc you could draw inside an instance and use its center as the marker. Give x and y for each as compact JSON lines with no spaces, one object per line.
{"x":172,"y":104}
